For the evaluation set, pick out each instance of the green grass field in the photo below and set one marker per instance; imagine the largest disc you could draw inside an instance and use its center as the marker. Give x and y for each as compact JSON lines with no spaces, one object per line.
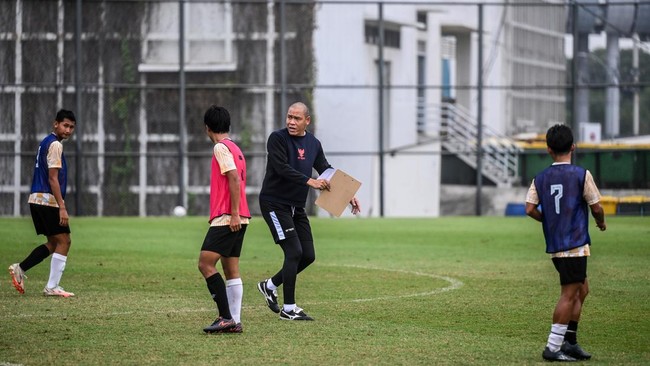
{"x":445,"y":291}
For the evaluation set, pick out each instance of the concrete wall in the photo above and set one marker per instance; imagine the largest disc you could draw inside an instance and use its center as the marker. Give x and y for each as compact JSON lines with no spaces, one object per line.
{"x":460,"y":200}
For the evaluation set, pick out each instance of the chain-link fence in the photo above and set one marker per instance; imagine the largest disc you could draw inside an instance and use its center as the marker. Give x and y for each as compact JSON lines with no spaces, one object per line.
{"x":140,"y":74}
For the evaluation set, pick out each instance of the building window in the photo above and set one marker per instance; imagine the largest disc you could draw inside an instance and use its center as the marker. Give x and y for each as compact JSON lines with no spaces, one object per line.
{"x":208,"y":37}
{"x":422,"y":20}
{"x":391,"y":34}
{"x":448,"y":54}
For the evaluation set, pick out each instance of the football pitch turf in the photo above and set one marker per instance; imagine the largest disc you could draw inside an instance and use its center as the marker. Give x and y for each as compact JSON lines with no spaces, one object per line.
{"x":445,"y":291}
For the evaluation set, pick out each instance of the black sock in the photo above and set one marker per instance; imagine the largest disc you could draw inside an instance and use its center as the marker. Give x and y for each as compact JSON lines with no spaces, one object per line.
{"x":217,"y":289}
{"x":571,"y":333}
{"x":35,"y":257}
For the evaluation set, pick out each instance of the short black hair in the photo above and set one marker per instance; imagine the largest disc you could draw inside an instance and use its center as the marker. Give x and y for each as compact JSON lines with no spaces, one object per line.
{"x":63,"y":114}
{"x":302,"y":105}
{"x":559,"y":138}
{"x":217,"y":119}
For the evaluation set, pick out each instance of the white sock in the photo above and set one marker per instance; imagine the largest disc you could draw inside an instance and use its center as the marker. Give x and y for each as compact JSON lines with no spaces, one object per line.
{"x":289,"y":307}
{"x":57,"y":265}
{"x":556,"y":337}
{"x":235,"y":291}
{"x":270,"y":285}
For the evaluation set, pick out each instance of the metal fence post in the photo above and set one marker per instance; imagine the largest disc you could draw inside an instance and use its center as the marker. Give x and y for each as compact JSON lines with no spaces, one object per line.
{"x":78,"y":113}
{"x":479,"y":115}
{"x":381,"y":108}
{"x":182,"y":140}
{"x":283,"y":61}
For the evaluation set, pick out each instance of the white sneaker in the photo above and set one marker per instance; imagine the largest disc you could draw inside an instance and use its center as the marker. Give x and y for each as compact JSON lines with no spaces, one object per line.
{"x":57,"y":291}
{"x":17,"y":277}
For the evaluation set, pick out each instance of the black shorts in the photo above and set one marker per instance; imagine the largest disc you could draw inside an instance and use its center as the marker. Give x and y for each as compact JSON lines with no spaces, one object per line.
{"x":571,"y":269}
{"x":286,"y":221}
{"x":220,"y":239}
{"x":46,"y":220}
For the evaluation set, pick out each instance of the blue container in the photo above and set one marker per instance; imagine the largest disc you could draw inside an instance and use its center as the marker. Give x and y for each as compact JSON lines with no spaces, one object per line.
{"x":516,"y":209}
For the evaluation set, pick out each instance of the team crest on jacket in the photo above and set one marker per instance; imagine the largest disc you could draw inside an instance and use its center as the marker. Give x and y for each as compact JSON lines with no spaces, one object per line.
{"x":301,"y":154}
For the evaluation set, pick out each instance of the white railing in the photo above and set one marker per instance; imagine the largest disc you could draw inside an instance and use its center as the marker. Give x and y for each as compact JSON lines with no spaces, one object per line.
{"x":458,"y":131}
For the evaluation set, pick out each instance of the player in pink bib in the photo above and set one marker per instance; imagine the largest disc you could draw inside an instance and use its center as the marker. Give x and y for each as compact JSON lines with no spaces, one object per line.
{"x":229,"y":217}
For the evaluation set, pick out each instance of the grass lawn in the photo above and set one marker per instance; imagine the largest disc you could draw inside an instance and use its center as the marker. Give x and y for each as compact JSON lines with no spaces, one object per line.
{"x":446,"y":291}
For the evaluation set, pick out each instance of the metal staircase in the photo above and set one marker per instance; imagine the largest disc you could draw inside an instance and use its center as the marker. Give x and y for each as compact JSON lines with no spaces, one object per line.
{"x":458,"y":131}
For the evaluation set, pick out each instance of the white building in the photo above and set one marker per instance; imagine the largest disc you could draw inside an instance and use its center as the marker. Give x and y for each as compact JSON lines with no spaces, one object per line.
{"x":431,"y":74}
{"x":348,"y":118}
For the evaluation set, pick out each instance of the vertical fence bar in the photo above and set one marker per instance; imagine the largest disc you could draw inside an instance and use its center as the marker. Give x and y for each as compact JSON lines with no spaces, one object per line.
{"x":577,"y":95}
{"x":574,"y":66}
{"x":182,"y":131}
{"x":18,"y":110}
{"x":479,"y":115}
{"x":269,"y":92}
{"x":283,"y":60}
{"x":635,"y":75}
{"x":381,"y":108}
{"x":78,"y":113}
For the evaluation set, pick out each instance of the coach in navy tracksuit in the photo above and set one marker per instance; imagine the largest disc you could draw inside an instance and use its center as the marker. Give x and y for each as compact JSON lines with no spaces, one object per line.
{"x":292,"y":154}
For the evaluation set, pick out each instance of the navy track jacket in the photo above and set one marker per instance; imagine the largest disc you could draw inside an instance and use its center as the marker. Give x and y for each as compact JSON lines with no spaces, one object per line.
{"x":290,"y":160}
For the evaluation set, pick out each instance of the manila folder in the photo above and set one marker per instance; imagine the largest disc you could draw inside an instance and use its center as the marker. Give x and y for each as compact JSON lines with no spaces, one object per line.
{"x":343,"y":187}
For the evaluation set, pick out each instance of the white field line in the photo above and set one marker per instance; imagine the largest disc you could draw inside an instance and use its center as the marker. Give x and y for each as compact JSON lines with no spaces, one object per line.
{"x":453,"y":285}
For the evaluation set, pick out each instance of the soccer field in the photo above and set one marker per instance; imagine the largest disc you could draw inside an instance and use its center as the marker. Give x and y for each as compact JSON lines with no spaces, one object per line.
{"x":444,"y":291}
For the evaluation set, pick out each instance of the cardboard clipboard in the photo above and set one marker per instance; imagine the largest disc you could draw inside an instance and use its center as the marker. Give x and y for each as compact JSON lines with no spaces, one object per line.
{"x":343,"y":187}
